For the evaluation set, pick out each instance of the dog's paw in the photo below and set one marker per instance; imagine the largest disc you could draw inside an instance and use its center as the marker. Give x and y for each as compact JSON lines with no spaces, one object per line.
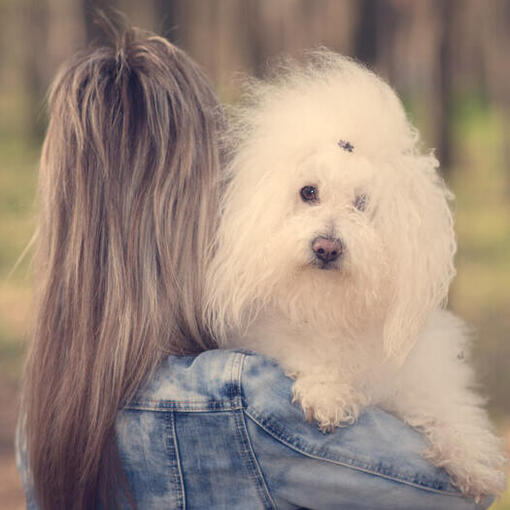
{"x":327,"y":402}
{"x":473,"y":478}
{"x":475,"y":464}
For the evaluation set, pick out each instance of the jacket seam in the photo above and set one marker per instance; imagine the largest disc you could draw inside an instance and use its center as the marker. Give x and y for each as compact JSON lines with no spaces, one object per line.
{"x":172,"y":460}
{"x":246,"y":452}
{"x":354,"y":467}
{"x":235,"y":371}
{"x":170,"y":402}
{"x":183,"y":407}
{"x":249,"y":446}
{"x":178,"y":463}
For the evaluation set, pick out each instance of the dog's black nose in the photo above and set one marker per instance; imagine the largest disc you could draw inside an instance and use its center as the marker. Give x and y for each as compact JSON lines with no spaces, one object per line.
{"x":327,"y":249}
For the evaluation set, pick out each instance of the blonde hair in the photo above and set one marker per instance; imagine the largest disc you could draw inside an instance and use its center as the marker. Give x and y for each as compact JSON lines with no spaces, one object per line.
{"x":128,"y":196}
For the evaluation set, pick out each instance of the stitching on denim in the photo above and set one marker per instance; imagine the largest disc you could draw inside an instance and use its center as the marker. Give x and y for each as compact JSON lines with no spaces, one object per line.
{"x":300,"y":444}
{"x":182,"y":409}
{"x":191,"y":401}
{"x":349,"y":463}
{"x":255,"y":461}
{"x":249,"y":461}
{"x":178,"y":462}
{"x":190,"y":407}
{"x":241,"y":434}
{"x":235,"y":380}
{"x":240,"y":365}
{"x":231,"y":382}
{"x":171,"y":459}
{"x":254,"y":464}
{"x":231,"y":402}
{"x":169,"y":401}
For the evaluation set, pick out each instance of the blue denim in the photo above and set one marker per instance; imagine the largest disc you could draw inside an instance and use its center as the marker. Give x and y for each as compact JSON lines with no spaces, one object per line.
{"x":219,"y":431}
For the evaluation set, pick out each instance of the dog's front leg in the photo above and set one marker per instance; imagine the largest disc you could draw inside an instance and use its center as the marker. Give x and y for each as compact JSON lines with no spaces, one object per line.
{"x":435,"y":395}
{"x":460,"y":438}
{"x":326,"y":398}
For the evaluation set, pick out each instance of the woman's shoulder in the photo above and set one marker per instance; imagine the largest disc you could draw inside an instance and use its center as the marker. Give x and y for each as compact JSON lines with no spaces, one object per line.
{"x":206,"y":380}
{"x":222,"y":379}
{"x":378,"y":452}
{"x":218,"y":378}
{"x":378,"y":444}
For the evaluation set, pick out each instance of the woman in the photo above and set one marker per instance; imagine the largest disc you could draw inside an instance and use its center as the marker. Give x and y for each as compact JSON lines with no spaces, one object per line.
{"x":129,"y":194}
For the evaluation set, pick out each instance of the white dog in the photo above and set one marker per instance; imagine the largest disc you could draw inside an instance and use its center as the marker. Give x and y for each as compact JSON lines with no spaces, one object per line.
{"x":334,"y":256}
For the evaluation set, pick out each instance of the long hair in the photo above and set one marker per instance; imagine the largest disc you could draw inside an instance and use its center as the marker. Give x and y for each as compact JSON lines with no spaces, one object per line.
{"x":128,"y":198}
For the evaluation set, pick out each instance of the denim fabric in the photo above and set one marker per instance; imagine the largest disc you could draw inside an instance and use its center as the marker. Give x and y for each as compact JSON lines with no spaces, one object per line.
{"x":219,"y":431}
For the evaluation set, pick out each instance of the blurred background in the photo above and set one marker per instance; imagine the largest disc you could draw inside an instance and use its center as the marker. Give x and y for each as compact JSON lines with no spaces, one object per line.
{"x":448,"y":60}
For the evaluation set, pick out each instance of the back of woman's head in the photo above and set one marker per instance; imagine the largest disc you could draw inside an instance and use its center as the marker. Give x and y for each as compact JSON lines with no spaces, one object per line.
{"x":128,"y":197}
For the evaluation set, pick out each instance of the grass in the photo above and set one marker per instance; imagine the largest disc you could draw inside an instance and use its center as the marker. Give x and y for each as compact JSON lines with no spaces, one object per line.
{"x":481,"y":291}
{"x":17,"y":190}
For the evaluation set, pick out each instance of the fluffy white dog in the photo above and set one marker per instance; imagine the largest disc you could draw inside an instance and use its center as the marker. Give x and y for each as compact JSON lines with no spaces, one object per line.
{"x":334,"y":256}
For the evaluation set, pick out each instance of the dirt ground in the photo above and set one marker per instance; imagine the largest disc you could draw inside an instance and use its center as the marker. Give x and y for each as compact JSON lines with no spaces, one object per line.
{"x":11,"y":492}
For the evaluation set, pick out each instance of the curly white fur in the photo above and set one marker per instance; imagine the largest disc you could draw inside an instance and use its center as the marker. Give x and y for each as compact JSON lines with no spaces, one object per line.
{"x":369,"y":327}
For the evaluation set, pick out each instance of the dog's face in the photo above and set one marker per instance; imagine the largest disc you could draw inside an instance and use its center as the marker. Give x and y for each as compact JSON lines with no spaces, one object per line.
{"x":332,"y":210}
{"x":323,"y":248}
{"x":331,"y":215}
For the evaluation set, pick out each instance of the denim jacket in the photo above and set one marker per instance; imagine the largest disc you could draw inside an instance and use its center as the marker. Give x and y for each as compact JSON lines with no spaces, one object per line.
{"x":219,"y":431}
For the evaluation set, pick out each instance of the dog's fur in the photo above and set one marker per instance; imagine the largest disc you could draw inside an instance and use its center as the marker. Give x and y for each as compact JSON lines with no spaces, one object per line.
{"x":369,"y":327}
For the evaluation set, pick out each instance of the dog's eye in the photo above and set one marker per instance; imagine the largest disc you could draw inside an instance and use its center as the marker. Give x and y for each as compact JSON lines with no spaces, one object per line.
{"x":360,"y":202}
{"x":309,"y":194}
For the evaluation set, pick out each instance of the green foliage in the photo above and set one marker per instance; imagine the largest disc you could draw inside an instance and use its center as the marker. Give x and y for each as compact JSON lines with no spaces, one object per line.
{"x":17,"y":210}
{"x":481,"y":291}
{"x":17,"y":199}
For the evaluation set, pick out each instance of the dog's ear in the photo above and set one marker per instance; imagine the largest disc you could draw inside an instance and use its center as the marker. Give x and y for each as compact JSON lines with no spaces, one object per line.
{"x":418,"y":227}
{"x":240,"y":279}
